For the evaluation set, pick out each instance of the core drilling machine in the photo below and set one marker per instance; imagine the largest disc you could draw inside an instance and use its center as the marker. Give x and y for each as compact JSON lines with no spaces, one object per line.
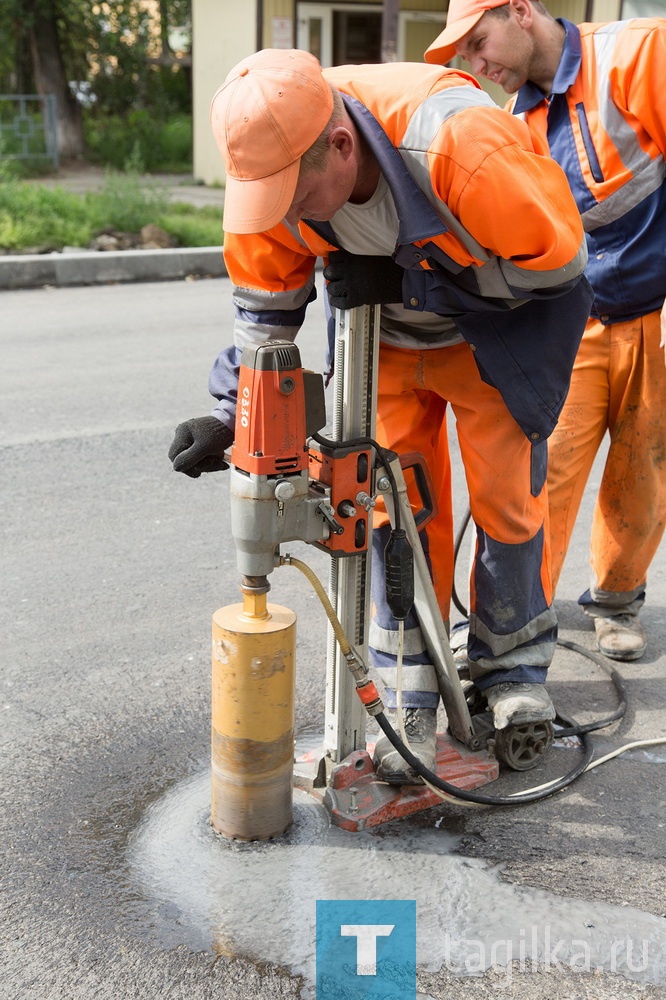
{"x":289,"y":482}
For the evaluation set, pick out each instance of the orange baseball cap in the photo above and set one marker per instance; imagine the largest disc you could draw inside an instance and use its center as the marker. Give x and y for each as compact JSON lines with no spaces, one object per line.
{"x":267,"y":113}
{"x":461,"y":17}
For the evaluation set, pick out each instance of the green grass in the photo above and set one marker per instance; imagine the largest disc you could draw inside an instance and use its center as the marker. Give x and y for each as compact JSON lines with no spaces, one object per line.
{"x":159,"y":146}
{"x":36,"y":216}
{"x":193,"y":228}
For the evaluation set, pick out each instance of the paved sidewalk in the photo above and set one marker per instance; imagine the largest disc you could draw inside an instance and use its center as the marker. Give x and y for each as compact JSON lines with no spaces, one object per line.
{"x":91,"y":267}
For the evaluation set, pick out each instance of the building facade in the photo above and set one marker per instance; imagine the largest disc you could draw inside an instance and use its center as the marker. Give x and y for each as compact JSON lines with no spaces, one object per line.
{"x":224,"y":31}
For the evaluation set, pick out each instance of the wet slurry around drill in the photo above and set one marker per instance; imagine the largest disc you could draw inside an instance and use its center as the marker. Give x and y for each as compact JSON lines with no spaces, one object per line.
{"x":257,"y":900}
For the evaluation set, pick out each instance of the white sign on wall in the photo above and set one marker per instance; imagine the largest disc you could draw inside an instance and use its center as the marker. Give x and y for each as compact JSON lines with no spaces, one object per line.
{"x":282,"y":29}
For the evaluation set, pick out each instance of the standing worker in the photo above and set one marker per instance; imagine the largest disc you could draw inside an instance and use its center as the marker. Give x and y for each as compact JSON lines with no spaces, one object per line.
{"x":596,"y":94}
{"x":427,"y":198}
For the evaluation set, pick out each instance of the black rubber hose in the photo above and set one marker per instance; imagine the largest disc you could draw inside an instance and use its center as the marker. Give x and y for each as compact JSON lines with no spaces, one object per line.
{"x":478,"y":797}
{"x":456,"y":550}
{"x":574,"y":729}
{"x":618,"y":683}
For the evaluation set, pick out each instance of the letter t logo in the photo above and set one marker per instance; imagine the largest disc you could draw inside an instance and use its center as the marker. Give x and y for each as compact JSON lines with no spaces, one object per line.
{"x":366,"y":949}
{"x":366,"y":944}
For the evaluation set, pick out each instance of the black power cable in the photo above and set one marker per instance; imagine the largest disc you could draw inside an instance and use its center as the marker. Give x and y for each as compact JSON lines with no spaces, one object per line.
{"x":571,"y":728}
{"x":479,"y":797}
{"x":385,"y":455}
{"x":574,"y":729}
{"x":456,"y":550}
{"x":618,"y":683}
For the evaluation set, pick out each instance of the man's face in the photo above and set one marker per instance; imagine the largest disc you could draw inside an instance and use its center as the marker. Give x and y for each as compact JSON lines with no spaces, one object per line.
{"x":498,"y":49}
{"x":321,"y":193}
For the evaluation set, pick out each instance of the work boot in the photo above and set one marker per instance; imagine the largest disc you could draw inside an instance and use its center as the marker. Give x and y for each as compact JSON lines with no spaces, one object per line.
{"x":518,"y":704}
{"x":621,"y":637}
{"x":421,"y":730}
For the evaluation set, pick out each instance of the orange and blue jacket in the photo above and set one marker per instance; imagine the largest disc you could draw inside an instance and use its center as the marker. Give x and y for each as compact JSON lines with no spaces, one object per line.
{"x":605,"y":124}
{"x":488,"y":234}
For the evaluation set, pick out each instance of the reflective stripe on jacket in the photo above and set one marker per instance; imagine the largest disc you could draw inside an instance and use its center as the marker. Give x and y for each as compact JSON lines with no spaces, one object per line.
{"x":605,"y":124}
{"x":488,"y":234}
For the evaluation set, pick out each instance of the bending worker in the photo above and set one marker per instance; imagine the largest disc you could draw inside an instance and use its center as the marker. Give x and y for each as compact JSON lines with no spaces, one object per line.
{"x":596,"y":94}
{"x":426,"y":197}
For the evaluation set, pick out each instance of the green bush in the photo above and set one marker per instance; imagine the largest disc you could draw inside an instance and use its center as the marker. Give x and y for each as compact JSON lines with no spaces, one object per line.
{"x":159,"y":146}
{"x":127,"y":82}
{"x":201,"y":230}
{"x":35,"y":216}
{"x":34,"y":165}
{"x":9,"y":169}
{"x":176,"y":139}
{"x":32,"y":216}
{"x":126,"y":202}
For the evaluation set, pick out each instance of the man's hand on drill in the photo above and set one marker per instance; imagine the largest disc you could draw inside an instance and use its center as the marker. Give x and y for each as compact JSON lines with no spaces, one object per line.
{"x":199,"y":445}
{"x":360,"y":280}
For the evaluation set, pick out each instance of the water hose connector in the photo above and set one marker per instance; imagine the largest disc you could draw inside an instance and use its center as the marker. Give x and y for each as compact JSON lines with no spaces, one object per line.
{"x":365,"y":688}
{"x":369,"y":695}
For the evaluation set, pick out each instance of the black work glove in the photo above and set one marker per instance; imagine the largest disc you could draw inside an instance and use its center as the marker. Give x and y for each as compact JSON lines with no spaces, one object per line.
{"x":199,"y":445}
{"x":360,"y":280}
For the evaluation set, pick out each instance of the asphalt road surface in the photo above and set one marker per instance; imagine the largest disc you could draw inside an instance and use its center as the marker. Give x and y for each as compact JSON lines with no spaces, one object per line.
{"x":111,"y":568}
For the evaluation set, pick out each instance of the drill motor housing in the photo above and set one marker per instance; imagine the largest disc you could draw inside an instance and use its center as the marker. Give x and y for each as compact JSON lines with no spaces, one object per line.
{"x":282,"y":489}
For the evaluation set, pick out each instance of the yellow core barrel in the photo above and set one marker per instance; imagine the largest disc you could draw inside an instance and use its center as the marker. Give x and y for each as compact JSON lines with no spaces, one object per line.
{"x":253,"y":719}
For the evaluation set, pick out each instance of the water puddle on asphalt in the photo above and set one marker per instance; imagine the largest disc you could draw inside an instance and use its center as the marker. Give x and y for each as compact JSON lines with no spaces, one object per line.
{"x":257,"y":900}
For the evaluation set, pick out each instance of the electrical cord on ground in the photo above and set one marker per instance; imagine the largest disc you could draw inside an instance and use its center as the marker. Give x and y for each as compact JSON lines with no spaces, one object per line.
{"x":435,"y":783}
{"x":532,"y":794}
{"x":571,"y":728}
{"x":456,"y":550}
{"x":415,"y":763}
{"x":529,"y":795}
{"x":636,"y":745}
{"x":575,"y":729}
{"x":618,"y":683}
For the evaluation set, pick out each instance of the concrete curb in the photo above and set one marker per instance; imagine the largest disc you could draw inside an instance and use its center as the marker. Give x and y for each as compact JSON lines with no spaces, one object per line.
{"x":97,"y":267}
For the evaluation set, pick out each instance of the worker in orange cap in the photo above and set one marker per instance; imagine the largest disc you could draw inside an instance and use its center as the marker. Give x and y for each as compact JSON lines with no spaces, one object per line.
{"x":596,"y":94}
{"x":426,"y":198}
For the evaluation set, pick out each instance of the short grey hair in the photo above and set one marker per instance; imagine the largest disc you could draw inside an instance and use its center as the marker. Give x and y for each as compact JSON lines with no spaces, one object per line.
{"x":503,"y":11}
{"x":315,"y":157}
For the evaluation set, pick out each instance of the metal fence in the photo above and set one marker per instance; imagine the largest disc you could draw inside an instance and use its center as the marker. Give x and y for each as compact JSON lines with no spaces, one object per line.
{"x":28,"y":127}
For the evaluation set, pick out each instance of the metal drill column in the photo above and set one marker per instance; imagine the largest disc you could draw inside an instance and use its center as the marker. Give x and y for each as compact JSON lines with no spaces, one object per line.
{"x":354,"y":415}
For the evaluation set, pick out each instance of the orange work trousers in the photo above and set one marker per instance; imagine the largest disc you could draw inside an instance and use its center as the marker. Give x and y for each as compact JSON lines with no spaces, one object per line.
{"x":618,"y":386}
{"x":512,"y":624}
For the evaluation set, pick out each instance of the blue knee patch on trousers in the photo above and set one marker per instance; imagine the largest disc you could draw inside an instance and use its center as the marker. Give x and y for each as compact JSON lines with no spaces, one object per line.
{"x":507,"y":579}
{"x":411,"y":699}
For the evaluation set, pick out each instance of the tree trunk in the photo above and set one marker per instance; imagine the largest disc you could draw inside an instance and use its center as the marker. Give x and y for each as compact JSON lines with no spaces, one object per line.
{"x":164,"y":28}
{"x":50,"y":78}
